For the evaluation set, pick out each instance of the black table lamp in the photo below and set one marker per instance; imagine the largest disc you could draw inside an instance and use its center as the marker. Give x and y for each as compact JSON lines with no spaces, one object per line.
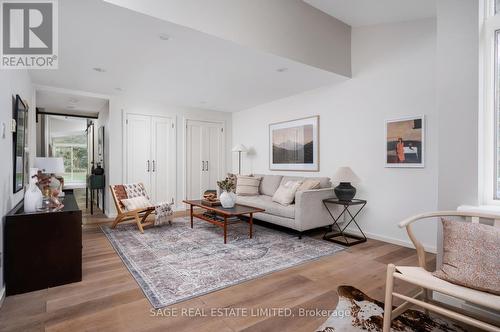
{"x":345,"y":176}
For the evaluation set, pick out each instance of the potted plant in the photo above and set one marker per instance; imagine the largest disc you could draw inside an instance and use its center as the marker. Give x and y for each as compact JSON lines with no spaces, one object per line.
{"x":227,"y":197}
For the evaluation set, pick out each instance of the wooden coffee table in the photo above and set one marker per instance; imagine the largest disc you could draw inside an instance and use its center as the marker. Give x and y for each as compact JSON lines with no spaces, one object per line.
{"x":237,"y":211}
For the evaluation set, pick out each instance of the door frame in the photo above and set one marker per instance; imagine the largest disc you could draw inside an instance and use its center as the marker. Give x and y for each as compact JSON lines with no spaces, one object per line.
{"x":185,"y":121}
{"x":173,"y":118}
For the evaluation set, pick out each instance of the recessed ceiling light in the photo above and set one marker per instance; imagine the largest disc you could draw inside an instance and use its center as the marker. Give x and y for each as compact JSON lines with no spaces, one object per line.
{"x":164,"y":36}
{"x":118,"y":89}
{"x":281,"y":70}
{"x":99,"y":69}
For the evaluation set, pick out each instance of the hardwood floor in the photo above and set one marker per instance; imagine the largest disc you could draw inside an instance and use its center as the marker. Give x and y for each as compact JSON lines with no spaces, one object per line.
{"x":109,"y":299}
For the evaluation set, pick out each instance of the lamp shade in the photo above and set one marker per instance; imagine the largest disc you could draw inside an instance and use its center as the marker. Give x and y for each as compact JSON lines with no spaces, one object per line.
{"x":50,"y":165}
{"x":240,"y":148}
{"x":345,"y":174}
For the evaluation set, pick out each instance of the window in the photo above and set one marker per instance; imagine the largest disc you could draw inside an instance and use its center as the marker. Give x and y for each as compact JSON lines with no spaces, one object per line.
{"x":73,"y":150}
{"x":490,"y":129}
{"x":496,"y":83}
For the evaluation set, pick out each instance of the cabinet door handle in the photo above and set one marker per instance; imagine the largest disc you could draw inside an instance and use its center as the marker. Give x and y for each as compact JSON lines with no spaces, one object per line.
{"x":202,"y":165}
{"x":148,"y":166}
{"x":154,"y":167}
{"x":207,"y":165}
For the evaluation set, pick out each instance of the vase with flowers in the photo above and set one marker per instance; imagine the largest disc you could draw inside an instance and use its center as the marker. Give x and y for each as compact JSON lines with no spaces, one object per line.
{"x":227,"y":197}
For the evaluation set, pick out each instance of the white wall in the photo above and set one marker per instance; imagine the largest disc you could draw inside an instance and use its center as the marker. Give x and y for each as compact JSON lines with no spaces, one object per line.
{"x":12,"y":82}
{"x":393,"y":76}
{"x":458,"y":101}
{"x":458,"y":105}
{"x":119,"y":106}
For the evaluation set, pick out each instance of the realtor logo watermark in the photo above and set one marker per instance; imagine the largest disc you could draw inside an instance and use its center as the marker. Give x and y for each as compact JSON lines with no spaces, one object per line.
{"x":29,"y":34}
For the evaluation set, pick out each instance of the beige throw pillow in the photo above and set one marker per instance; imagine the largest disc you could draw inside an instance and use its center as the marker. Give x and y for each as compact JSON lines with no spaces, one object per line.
{"x":285,"y":194}
{"x":139,"y":202}
{"x":470,"y":255}
{"x":309,"y":185}
{"x":247,"y":185}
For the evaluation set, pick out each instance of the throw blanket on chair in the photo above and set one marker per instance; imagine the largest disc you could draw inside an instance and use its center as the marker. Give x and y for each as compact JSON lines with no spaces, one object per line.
{"x":163,"y":211}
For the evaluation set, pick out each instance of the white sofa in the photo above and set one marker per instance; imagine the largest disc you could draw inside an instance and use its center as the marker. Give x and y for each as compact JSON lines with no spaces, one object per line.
{"x":307,"y":212}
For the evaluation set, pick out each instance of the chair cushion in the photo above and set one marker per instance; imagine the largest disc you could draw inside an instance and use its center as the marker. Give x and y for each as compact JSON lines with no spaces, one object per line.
{"x":269,"y":184}
{"x":134,"y":203}
{"x":136,"y":190}
{"x":247,"y":185}
{"x":470,"y":255}
{"x":265,"y":202}
{"x":285,"y":194}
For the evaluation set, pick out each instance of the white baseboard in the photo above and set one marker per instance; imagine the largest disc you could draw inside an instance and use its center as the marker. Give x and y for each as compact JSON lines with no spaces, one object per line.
{"x":399,"y":242}
{"x":111,"y":215}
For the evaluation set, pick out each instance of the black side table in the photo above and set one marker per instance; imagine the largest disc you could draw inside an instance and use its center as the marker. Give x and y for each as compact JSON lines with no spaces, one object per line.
{"x":340,"y":233}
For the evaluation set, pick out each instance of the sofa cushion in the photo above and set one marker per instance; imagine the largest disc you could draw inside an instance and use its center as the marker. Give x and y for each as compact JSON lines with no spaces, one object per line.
{"x":285,"y":194}
{"x":324,"y":182}
{"x":265,"y":202}
{"x":247,"y":185}
{"x":269,"y":184}
{"x":309,"y":184}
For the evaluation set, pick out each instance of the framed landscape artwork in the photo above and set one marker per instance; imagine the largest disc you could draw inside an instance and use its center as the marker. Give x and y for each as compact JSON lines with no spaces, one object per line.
{"x":294,"y":145}
{"x":404,"y":141}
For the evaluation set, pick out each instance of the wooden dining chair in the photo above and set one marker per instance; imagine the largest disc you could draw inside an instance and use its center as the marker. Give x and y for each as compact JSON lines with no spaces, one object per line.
{"x":427,"y":282}
{"x":118,"y":193}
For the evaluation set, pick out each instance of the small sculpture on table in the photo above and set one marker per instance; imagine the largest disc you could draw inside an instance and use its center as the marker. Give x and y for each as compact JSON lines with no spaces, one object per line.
{"x":210,"y":198}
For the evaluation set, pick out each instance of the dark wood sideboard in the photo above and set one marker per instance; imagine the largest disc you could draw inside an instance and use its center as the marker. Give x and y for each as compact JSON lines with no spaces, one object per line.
{"x":42,"y":249}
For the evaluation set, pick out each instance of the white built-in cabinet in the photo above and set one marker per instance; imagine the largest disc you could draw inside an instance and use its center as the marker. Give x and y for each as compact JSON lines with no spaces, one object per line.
{"x":205,"y":146}
{"x":150,"y":154}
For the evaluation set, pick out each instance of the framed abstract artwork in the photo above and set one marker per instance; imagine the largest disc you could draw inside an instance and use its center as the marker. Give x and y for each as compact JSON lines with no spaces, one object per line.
{"x":294,"y":145}
{"x":405,"y":142}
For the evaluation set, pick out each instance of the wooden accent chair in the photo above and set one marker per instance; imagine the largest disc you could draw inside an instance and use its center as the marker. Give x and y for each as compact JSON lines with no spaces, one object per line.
{"x":139,"y":215}
{"x":419,"y":276}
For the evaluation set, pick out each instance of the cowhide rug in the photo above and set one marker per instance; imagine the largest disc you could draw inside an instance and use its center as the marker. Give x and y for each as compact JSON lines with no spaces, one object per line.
{"x":356,"y":311}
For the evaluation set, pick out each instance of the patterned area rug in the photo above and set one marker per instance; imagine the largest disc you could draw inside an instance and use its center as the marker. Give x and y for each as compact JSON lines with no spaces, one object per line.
{"x":175,"y":263}
{"x":357,"y":311}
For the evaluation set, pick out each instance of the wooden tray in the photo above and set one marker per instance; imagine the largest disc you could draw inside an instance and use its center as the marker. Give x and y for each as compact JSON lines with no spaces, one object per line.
{"x":210,"y":203}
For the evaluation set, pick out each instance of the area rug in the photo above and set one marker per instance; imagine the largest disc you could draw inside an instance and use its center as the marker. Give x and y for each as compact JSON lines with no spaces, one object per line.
{"x":175,"y":263}
{"x":356,"y":311}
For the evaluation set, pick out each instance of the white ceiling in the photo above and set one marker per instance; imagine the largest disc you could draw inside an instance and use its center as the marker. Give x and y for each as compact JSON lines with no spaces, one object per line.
{"x":67,"y":103}
{"x":368,"y":12}
{"x":191,"y":69}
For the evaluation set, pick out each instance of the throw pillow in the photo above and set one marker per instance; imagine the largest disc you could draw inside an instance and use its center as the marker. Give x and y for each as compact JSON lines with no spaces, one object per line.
{"x":309,"y":185}
{"x":139,"y":202}
{"x":470,"y":255}
{"x":285,"y":194}
{"x":247,"y":185}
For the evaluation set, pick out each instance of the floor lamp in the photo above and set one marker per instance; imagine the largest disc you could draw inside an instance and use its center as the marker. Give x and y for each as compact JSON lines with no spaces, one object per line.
{"x":239,"y":148}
